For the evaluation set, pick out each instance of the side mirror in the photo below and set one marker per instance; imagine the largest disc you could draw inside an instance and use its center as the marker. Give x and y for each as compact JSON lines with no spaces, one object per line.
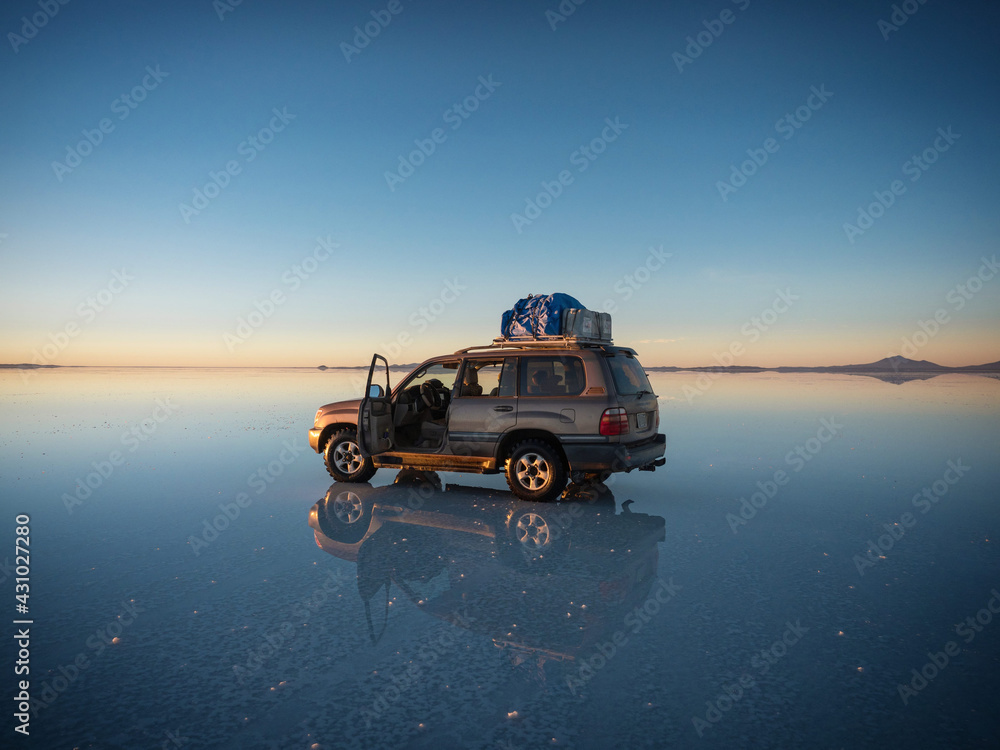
{"x":375,"y":392}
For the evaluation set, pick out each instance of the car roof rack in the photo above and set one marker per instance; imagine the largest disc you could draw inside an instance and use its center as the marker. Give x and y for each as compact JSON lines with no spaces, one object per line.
{"x":554,"y":342}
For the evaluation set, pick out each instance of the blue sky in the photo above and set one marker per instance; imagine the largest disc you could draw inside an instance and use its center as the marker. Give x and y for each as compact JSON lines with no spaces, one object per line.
{"x":404,"y":248}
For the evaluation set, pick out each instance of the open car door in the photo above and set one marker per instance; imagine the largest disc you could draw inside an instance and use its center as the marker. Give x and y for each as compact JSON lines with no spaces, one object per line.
{"x":375,"y":427}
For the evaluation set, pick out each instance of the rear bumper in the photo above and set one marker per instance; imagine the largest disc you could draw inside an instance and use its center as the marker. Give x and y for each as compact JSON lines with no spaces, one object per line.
{"x":616,"y":456}
{"x":314,"y":436}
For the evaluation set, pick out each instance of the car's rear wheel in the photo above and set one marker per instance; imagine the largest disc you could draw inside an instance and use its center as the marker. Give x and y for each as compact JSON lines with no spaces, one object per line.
{"x":535,"y":471}
{"x":344,"y":460}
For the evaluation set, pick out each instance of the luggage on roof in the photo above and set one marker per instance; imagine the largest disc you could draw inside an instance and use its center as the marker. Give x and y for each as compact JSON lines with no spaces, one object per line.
{"x":553,"y":317}
{"x":587,"y":324}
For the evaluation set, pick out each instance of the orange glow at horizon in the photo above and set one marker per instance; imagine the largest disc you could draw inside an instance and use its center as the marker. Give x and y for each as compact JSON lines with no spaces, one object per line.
{"x":325,"y":347}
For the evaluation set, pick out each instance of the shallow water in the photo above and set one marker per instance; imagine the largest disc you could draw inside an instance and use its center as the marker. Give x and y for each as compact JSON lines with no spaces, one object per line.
{"x":659,"y":611}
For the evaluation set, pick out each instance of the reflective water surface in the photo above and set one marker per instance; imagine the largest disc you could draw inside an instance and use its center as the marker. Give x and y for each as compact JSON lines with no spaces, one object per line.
{"x":815,"y":566}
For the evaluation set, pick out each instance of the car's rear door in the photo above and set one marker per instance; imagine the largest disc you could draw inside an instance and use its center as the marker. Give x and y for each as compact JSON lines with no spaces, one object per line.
{"x":484,"y":405}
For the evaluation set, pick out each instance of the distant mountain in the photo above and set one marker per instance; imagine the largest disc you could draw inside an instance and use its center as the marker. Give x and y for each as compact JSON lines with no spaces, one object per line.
{"x":892,"y":365}
{"x":991,"y":367}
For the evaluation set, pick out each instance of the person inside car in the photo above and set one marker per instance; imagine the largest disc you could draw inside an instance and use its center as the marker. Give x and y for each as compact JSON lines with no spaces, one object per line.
{"x":541,"y":384}
{"x":470,"y":383}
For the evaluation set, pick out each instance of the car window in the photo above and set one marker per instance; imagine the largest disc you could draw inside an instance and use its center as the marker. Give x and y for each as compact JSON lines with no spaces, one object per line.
{"x":444,"y":372}
{"x":628,"y":375}
{"x":552,"y":376}
{"x":489,"y":377}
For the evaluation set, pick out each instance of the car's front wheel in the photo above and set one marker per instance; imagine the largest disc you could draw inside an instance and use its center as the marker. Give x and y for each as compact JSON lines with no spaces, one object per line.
{"x":535,"y":471}
{"x":344,"y":460}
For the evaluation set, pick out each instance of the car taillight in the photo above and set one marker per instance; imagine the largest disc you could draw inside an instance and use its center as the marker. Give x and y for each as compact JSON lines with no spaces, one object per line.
{"x":614,"y":422}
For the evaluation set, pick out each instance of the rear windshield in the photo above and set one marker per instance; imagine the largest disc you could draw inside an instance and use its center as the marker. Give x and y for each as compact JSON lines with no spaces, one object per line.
{"x":628,"y":375}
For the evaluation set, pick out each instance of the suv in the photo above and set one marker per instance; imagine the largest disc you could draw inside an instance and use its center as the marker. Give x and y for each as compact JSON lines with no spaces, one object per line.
{"x":540,"y":412}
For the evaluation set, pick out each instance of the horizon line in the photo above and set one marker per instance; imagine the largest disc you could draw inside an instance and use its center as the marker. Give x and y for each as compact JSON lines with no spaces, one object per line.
{"x":33,"y":366}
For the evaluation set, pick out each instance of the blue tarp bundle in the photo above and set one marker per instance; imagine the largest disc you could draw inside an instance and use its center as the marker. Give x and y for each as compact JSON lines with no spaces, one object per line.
{"x":537,"y":315}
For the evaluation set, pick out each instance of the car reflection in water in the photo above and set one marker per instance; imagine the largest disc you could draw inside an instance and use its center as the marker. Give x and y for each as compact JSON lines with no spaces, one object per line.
{"x":544,"y":581}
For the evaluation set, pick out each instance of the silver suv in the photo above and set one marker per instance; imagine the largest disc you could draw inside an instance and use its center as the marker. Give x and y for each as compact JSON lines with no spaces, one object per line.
{"x":540,"y":412}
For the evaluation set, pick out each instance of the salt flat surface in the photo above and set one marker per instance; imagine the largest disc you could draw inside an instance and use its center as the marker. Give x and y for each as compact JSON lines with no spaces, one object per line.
{"x":664,"y":612}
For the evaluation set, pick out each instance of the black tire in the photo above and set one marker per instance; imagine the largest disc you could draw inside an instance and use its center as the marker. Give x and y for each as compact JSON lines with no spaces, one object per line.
{"x":535,"y":471}
{"x":344,"y":460}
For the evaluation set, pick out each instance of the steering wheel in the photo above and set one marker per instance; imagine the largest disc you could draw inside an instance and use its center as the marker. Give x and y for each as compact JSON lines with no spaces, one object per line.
{"x":431,"y":393}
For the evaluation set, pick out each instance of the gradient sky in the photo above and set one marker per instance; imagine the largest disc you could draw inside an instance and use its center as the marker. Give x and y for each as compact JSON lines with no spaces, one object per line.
{"x":63,"y":236}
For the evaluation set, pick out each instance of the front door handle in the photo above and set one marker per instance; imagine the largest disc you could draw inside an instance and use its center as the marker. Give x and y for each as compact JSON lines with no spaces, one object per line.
{"x":503,"y":408}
